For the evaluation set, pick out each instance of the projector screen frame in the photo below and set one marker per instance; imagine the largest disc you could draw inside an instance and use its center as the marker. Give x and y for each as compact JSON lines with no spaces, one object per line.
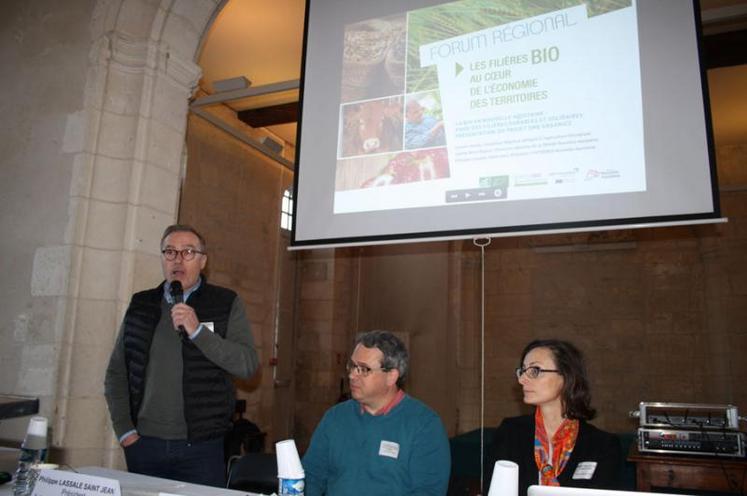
{"x":514,"y":230}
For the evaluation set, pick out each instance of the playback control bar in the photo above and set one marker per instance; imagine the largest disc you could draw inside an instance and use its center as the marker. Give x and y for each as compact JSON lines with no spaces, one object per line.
{"x":475,"y":194}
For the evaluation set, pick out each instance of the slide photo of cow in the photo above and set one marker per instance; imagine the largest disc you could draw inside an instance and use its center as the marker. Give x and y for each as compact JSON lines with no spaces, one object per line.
{"x":371,"y":127}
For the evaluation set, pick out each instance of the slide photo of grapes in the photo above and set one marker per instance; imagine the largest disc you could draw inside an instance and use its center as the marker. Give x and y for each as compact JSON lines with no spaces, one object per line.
{"x":392,"y":169}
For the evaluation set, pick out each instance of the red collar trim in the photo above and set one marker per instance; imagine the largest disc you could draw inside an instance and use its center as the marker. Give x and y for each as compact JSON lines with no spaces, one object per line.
{"x":389,"y":406}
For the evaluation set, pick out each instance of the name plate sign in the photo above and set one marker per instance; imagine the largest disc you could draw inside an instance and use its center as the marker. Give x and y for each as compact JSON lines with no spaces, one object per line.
{"x":59,"y":483}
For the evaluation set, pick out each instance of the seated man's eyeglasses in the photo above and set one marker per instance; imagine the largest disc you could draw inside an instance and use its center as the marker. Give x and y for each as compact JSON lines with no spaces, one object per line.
{"x":532,"y":372}
{"x":187,"y":254}
{"x":362,"y":370}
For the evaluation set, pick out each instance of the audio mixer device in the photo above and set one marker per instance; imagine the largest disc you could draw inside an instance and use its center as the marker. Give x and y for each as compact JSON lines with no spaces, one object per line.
{"x":725,"y":443}
{"x":689,"y":428}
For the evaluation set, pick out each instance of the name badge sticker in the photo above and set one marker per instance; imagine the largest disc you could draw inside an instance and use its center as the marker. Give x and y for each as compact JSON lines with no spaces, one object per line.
{"x":389,"y":448}
{"x":585,"y":470}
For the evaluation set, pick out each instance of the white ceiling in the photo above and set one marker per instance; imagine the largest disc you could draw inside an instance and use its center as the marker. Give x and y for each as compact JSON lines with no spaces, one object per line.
{"x":258,"y":39}
{"x":262,"y":41}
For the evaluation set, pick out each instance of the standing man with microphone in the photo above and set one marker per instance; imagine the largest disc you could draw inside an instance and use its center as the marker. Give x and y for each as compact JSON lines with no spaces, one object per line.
{"x":169,"y":381}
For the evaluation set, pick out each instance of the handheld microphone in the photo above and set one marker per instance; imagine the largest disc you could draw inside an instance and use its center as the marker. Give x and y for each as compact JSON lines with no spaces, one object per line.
{"x":177,"y":293}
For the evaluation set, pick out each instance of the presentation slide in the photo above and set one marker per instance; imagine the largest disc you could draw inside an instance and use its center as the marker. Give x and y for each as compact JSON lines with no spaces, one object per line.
{"x":512,"y":104}
{"x":425,"y":119}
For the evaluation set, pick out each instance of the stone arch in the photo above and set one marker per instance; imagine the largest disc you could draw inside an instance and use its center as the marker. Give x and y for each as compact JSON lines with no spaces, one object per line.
{"x":125,"y":188}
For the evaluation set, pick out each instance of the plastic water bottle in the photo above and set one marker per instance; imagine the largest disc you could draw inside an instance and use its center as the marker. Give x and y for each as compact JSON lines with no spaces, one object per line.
{"x":290,"y":471}
{"x":291,"y":487}
{"x":33,"y":452}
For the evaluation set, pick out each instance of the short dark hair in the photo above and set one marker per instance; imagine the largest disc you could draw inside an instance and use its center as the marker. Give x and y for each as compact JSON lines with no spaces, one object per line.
{"x":184,"y":228}
{"x":569,"y":360}
{"x":395,"y":353}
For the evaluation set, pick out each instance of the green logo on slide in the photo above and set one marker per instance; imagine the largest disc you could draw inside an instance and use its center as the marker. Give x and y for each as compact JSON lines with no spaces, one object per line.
{"x":494,"y":182}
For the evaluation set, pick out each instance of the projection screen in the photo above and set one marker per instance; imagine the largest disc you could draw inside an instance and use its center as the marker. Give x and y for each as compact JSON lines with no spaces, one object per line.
{"x":428,"y":119}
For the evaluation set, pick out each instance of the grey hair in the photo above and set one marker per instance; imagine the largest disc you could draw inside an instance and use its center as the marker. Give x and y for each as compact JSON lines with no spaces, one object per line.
{"x":395,"y":353}
{"x":184,"y":228}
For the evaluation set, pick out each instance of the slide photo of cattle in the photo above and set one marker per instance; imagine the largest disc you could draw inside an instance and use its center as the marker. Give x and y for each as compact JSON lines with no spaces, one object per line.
{"x":373,"y":62}
{"x":392,"y":169}
{"x":370,"y":127}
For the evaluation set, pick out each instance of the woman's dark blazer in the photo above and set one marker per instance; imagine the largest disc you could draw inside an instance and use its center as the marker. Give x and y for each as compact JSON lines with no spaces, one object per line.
{"x":514,"y":440}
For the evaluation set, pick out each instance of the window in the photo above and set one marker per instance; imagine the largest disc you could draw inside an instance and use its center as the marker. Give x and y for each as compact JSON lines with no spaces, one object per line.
{"x":286,"y":210}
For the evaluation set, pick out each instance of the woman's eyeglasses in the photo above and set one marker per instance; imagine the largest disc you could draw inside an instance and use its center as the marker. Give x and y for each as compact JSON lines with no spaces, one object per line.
{"x":532,"y":372}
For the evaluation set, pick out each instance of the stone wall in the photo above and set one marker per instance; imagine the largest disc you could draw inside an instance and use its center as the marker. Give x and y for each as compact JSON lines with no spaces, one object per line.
{"x":92,"y":160}
{"x":232,"y":195}
{"x":327,"y":309}
{"x":636,"y":308}
{"x":44,"y":53}
{"x":659,"y":314}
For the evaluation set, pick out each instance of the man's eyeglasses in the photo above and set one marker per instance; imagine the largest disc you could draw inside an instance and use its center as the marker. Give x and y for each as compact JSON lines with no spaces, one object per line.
{"x":187,"y":254}
{"x":532,"y":372}
{"x":362,"y":370}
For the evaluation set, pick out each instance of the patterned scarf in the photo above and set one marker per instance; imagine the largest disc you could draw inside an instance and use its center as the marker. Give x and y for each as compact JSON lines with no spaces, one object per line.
{"x":562,"y":446}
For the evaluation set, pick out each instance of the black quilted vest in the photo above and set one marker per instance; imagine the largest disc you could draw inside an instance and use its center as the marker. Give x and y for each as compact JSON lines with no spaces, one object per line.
{"x":208,"y":390}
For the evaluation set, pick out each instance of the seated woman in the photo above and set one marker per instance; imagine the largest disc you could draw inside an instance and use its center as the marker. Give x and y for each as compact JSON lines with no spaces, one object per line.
{"x":556,"y":446}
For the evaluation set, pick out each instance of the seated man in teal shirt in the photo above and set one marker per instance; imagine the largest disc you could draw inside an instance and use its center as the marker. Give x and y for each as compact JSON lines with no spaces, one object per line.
{"x":382,"y":441}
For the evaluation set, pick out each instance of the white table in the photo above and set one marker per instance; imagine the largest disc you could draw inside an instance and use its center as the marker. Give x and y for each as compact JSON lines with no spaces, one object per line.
{"x":143,"y":485}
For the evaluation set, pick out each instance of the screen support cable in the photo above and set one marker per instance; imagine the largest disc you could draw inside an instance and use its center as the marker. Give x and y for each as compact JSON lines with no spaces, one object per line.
{"x":482,"y":243}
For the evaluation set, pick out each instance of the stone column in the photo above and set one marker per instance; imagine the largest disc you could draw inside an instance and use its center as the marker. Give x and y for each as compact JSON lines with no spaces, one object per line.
{"x":125,"y":190}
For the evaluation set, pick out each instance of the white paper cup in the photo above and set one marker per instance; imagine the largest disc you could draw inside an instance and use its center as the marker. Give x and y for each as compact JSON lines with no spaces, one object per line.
{"x":36,"y":433}
{"x":37,"y":426}
{"x":289,"y":463}
{"x":505,"y":481}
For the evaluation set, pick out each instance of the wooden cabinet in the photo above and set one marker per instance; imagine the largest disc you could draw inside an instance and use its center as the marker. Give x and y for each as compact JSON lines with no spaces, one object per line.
{"x":689,"y":472}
